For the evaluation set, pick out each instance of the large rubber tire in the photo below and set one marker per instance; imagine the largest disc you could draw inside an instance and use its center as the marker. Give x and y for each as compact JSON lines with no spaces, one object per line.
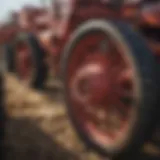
{"x":144,"y":63}
{"x":38,"y":55}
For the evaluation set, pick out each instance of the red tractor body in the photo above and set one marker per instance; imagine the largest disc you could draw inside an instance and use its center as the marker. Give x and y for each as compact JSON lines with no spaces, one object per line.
{"x":53,"y":27}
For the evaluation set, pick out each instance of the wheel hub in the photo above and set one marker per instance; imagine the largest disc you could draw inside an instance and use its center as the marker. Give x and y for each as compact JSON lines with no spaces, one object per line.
{"x":91,"y":84}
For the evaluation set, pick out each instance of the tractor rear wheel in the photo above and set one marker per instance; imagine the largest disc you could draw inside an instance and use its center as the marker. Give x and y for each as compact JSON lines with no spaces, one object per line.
{"x":110,"y":87}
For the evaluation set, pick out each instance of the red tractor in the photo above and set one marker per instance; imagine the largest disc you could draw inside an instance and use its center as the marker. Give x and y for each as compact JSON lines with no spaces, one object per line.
{"x":43,"y":33}
{"x":108,"y":54}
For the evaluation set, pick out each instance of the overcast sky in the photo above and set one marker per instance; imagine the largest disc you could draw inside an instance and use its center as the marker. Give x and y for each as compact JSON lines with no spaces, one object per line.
{"x":7,"y":5}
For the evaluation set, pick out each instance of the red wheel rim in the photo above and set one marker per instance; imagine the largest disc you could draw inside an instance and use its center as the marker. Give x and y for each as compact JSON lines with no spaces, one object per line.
{"x":24,"y":60}
{"x":101,"y":88}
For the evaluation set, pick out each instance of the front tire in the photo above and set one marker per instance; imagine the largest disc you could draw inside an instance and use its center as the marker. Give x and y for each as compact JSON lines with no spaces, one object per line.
{"x":143,"y":64}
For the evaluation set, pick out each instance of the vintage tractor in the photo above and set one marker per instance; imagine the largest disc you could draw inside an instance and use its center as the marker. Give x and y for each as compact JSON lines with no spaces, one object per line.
{"x":107,"y":53}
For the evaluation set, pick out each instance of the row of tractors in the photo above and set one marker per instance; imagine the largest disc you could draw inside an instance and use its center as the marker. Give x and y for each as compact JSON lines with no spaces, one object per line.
{"x":106,"y":53}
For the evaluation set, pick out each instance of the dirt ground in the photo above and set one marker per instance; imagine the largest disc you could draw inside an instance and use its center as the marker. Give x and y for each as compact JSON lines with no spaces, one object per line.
{"x":38,"y":127}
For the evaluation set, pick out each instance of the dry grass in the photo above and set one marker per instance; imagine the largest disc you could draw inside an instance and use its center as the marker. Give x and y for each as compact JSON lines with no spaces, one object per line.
{"x":38,"y":127}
